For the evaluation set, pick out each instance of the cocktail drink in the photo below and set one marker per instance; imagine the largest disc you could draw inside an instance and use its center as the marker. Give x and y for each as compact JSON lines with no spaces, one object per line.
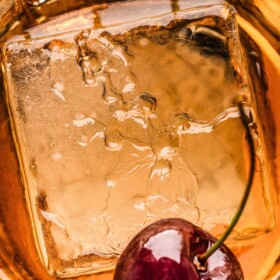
{"x":123,"y":114}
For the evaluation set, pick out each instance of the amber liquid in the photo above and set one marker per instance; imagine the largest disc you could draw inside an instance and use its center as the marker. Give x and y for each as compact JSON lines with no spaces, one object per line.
{"x":132,"y":122}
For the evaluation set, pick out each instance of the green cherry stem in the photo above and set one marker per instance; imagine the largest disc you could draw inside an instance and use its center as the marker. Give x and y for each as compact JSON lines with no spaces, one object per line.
{"x":203,"y":257}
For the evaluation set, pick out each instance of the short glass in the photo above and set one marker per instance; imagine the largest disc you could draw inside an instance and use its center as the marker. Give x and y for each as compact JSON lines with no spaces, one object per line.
{"x":118,"y":114}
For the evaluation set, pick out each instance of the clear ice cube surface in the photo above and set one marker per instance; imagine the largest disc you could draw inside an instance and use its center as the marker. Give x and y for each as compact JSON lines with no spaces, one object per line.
{"x":121,"y":126}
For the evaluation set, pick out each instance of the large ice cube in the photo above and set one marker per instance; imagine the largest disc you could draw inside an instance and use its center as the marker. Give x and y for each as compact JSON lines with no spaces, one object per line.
{"x":119,"y":127}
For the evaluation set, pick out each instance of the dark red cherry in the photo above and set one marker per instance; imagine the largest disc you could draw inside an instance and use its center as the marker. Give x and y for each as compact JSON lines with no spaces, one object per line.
{"x":168,"y":249}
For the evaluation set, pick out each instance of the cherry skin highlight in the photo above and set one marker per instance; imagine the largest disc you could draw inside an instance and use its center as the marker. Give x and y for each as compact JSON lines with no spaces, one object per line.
{"x":167,"y":249}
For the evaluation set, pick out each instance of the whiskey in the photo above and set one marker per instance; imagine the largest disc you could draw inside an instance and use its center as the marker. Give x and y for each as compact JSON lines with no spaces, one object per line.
{"x":129,"y":123}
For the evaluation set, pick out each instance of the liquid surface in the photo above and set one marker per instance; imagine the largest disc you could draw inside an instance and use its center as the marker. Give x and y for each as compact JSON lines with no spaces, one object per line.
{"x":123,"y":126}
